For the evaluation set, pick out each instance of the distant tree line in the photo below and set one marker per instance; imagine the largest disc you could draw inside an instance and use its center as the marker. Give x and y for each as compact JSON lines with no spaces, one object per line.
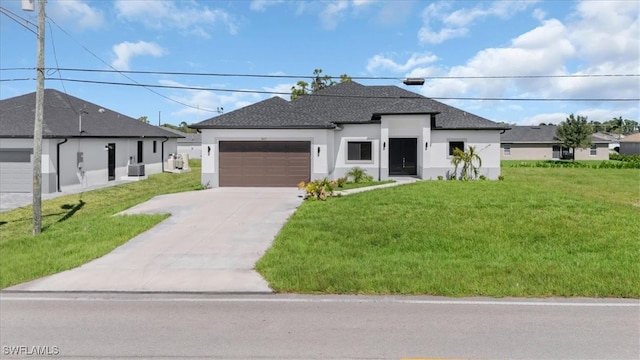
{"x":617,"y":125}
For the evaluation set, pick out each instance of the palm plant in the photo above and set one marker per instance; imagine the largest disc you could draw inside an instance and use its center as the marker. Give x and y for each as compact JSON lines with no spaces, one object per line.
{"x":470,"y":161}
{"x":357,"y":174}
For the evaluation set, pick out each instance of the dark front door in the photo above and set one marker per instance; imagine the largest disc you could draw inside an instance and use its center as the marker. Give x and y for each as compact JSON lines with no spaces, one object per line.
{"x":111,"y":162}
{"x":403,"y":156}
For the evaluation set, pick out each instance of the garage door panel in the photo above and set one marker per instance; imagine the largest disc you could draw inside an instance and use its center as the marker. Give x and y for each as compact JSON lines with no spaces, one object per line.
{"x":264,"y":163}
{"x":16,"y":172}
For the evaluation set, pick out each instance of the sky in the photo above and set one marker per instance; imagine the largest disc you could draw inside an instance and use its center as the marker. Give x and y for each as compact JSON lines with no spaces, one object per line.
{"x":519,"y":62}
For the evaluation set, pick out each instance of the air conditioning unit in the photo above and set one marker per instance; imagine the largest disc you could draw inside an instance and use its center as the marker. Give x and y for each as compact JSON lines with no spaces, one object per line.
{"x":136,"y":170}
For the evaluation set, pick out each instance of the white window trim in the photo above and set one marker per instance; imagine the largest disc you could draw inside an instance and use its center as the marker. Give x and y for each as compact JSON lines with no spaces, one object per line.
{"x":346,"y":153}
{"x":593,"y":151}
{"x":505,"y":148}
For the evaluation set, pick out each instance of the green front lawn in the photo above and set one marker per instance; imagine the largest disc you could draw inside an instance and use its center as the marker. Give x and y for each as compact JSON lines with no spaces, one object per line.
{"x":541,"y":232}
{"x":81,"y":227}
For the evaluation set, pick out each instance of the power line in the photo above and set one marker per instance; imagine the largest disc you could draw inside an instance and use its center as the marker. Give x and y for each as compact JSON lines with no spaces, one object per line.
{"x":182,"y":73}
{"x":148,"y":88}
{"x":350,"y":96}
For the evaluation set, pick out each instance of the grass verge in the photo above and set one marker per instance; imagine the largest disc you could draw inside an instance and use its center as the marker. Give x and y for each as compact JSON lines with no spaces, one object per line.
{"x":541,"y":232}
{"x":81,"y":227}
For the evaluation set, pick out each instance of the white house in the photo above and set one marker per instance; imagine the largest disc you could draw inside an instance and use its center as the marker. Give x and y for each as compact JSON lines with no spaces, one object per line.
{"x":386,"y":130}
{"x":83,"y":144}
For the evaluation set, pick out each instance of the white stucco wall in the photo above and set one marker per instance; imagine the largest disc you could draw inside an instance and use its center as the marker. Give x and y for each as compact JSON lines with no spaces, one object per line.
{"x":486,"y":143}
{"x":352,"y":132}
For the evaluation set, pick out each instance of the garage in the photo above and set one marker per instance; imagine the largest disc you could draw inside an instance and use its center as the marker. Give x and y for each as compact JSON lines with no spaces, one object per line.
{"x":16,"y":173}
{"x":264,"y":163}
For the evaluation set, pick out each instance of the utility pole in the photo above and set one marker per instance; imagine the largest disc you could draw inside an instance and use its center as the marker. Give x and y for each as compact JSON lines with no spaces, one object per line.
{"x":37,"y":128}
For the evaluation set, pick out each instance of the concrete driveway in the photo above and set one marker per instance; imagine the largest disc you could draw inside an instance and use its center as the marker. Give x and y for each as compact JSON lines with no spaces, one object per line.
{"x":210,"y":243}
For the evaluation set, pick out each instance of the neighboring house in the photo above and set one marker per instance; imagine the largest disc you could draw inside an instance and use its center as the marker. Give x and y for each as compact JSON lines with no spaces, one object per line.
{"x":630,"y":144}
{"x":540,"y":143}
{"x":385,"y":130}
{"x":82,"y":144}
{"x":190,"y":143}
{"x":614,"y":140}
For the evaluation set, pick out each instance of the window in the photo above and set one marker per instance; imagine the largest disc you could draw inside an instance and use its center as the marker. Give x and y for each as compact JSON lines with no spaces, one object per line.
{"x":455,"y":145}
{"x":359,"y":150}
{"x":155,"y":146}
{"x":140,"y":145}
{"x":594,"y":150}
{"x":507,"y":149}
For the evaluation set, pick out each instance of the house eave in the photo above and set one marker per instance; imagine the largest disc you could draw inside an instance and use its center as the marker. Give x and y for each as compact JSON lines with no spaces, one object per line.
{"x":265,"y":127}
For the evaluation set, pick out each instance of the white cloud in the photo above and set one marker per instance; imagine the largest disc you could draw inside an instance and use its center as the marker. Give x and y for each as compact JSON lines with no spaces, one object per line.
{"x":185,"y":16}
{"x":331,"y":15}
{"x":592,"y":114}
{"x":456,"y":24}
{"x":384,"y":63}
{"x":261,"y":5}
{"x":125,"y":51}
{"x":77,"y":12}
{"x":204,"y":103}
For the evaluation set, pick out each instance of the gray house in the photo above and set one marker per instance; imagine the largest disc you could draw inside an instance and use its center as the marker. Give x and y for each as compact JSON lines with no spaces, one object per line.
{"x":540,"y":143}
{"x":630,"y":144}
{"x":386,"y":130}
{"x":83,"y":144}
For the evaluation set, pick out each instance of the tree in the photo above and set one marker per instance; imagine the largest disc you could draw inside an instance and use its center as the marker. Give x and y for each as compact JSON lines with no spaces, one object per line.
{"x":144,"y":119}
{"x":469,"y":159}
{"x":318,"y":83}
{"x":575,"y":132}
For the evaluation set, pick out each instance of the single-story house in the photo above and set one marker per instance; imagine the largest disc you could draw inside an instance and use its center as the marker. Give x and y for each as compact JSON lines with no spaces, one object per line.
{"x":385,"y":130}
{"x":82,"y":144}
{"x":614,"y":140}
{"x":630,"y":144}
{"x":541,"y":143}
{"x":189,"y":143}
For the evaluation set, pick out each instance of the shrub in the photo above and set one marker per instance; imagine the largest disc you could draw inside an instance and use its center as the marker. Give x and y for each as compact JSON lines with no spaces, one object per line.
{"x":318,"y":189}
{"x":341,"y":181}
{"x":501,"y":177}
{"x":440,"y":177}
{"x":625,"y":157}
{"x":358,"y":175}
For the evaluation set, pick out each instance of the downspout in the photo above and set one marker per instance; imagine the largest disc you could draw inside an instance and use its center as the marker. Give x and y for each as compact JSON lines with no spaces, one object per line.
{"x":58,"y":163}
{"x":162,"y":152}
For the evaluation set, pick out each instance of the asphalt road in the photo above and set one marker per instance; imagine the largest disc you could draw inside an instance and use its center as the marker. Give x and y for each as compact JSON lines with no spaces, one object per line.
{"x":173,"y":326}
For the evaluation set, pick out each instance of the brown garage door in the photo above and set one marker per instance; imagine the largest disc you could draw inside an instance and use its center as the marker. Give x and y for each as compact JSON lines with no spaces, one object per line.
{"x":264,"y":163}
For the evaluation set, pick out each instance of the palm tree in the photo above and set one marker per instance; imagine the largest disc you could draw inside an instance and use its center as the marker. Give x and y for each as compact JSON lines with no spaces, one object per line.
{"x":469,"y":159}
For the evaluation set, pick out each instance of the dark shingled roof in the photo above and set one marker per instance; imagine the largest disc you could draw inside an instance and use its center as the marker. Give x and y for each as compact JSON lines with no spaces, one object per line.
{"x":61,"y":118}
{"x":347,"y":102}
{"x":536,"y":134}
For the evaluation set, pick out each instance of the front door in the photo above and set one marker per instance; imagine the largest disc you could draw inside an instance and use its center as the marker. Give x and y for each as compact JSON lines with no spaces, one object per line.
{"x":403,"y":156}
{"x":111,"y":162}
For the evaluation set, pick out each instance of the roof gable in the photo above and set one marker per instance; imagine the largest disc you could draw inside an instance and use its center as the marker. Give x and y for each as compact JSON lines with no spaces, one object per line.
{"x":63,"y":115}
